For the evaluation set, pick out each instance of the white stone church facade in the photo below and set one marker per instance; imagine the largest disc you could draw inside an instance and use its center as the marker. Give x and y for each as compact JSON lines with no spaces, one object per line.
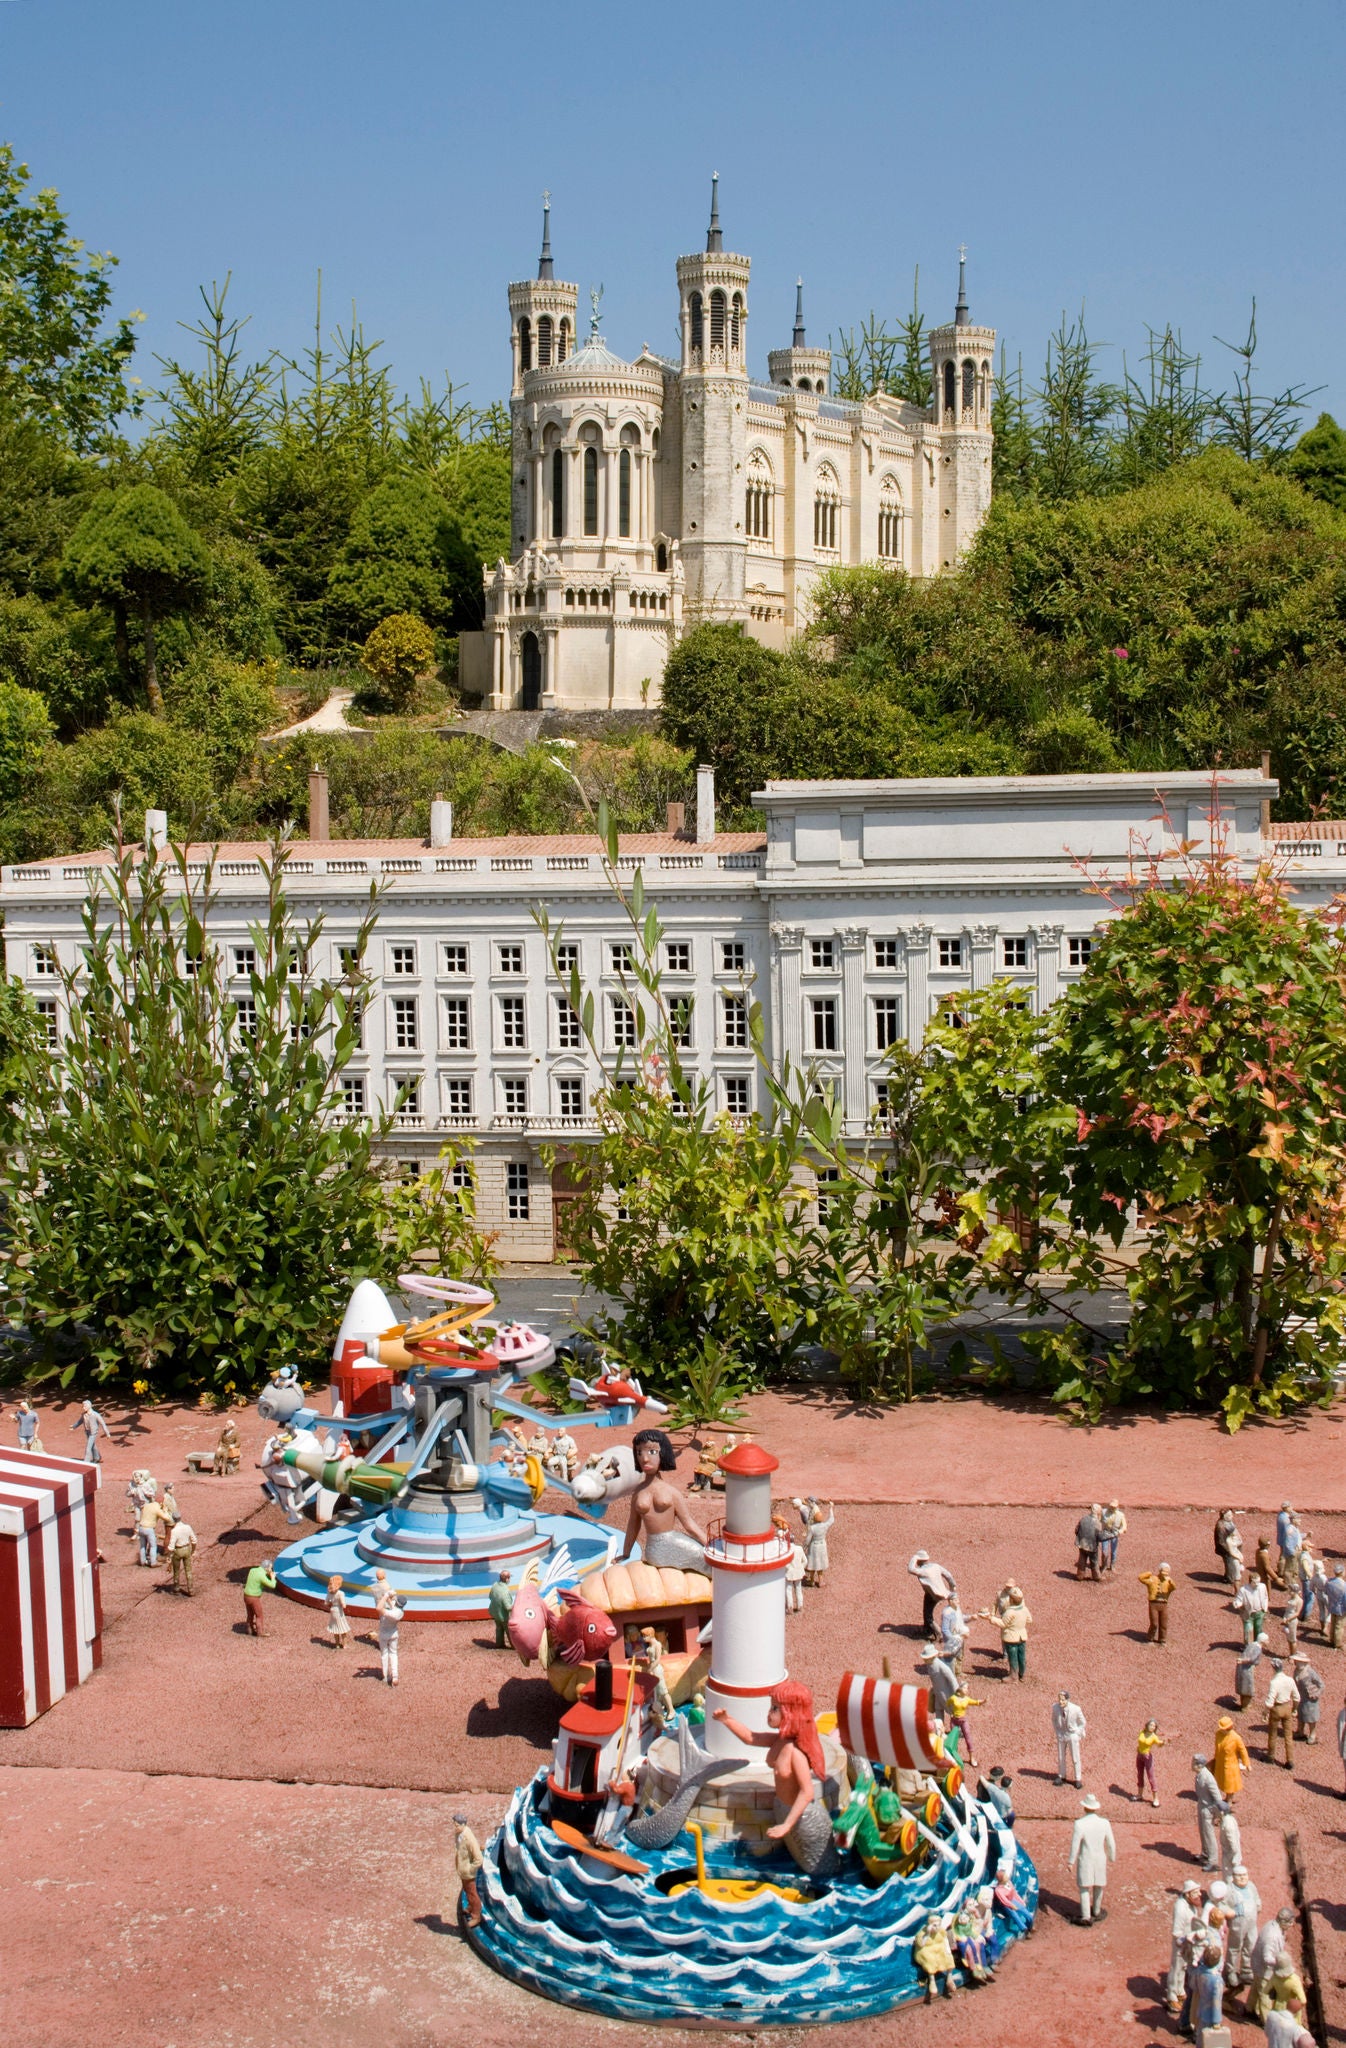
{"x":651,"y":495}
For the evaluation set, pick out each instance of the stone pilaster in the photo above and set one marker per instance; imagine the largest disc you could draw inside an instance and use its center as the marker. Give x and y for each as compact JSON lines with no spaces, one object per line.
{"x":788,"y":965}
{"x":854,"y":939}
{"x":918,"y":937}
{"x":1047,"y":958}
{"x":982,"y":938}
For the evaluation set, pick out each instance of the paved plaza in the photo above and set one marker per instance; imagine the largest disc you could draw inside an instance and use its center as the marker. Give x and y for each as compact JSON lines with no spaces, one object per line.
{"x":235,"y":1843}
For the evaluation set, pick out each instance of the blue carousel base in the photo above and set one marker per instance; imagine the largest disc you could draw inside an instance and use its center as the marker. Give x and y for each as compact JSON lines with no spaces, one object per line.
{"x":581,"y":1933}
{"x":441,"y":1563}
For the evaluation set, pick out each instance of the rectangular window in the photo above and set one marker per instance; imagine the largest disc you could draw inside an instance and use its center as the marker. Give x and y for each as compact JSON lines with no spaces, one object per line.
{"x":570,"y":1097}
{"x":733,"y":956}
{"x":950,"y":952}
{"x":1078,"y":952}
{"x":458,"y":1098}
{"x":881,"y":1101}
{"x":623,"y":1021}
{"x":822,"y":953}
{"x":406,"y":1034}
{"x":887,"y":1022}
{"x":296,"y":964}
{"x":247,"y":1016}
{"x":736,"y":1094}
{"x":460,"y":1176}
{"x":1014,"y":952}
{"x":516,"y":1190}
{"x":353,"y":1094}
{"x":827,"y":1178}
{"x":513,"y":1031}
{"x":454,"y":959}
{"x":408,"y":1098}
{"x":567,"y":957}
{"x":568,"y":1036}
{"x":824,"y":1010}
{"x":678,"y":953}
{"x":620,"y":957}
{"x":735,"y":1012}
{"x":46,"y":1010}
{"x":680,"y":1015}
{"x":509,"y":959}
{"x":457,"y":1024}
{"x":245,"y":960}
{"x":356,"y":1014}
{"x":885,"y":953}
{"x":403,"y":959}
{"x":514,"y":1095}
{"x":44,"y":960}
{"x":351,"y":961}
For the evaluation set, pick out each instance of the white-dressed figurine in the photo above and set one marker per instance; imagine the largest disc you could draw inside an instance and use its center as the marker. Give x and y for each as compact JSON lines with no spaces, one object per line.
{"x":817,"y":1527}
{"x":1068,"y":1725}
{"x":1092,"y":1849}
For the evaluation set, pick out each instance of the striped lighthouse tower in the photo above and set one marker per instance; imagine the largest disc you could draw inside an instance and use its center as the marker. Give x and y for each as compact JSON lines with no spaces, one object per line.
{"x":746,"y":1559}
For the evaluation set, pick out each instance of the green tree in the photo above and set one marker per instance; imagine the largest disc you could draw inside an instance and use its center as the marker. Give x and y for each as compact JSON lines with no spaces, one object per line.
{"x":393,"y":558}
{"x":215,"y":416}
{"x":1259,"y":426}
{"x":399,"y":651}
{"x":715,"y":686}
{"x":25,"y":730}
{"x":59,"y":362}
{"x":1069,"y":742}
{"x":134,"y":552}
{"x":1317,"y":462}
{"x":1163,"y":419}
{"x":1075,"y":407}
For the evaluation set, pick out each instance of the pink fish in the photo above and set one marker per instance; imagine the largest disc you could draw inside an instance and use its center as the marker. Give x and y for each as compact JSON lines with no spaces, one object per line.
{"x":578,"y":1634}
{"x":527,"y":1624}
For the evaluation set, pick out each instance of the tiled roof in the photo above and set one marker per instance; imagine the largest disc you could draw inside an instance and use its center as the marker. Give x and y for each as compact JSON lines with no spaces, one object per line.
{"x":1309,"y":828}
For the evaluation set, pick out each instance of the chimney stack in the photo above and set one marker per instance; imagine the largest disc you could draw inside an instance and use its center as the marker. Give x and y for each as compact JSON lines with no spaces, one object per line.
{"x":319,"y":821}
{"x":677,"y":819}
{"x":705,"y":805}
{"x":156,"y":831}
{"x":441,"y":821}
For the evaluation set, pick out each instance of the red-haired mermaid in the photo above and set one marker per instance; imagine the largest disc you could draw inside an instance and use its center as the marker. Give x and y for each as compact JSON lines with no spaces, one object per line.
{"x":795,"y":1756}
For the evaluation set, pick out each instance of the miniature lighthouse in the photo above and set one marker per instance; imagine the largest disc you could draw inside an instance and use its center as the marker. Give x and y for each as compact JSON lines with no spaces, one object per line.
{"x":746,"y":1558}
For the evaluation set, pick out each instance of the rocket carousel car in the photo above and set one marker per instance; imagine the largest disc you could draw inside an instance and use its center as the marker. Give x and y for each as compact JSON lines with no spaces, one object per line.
{"x":765,"y":1866}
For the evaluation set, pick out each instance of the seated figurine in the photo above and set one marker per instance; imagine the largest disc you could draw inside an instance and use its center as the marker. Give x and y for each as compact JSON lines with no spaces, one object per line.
{"x":933,"y":1957}
{"x":969,"y":1946}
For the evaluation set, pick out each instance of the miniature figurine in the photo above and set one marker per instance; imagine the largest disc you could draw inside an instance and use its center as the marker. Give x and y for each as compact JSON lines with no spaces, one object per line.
{"x":957,"y":1712}
{"x":147,"y":1530}
{"x":1147,"y":1742}
{"x":564,"y":1456}
{"x":969,"y":1946}
{"x":1207,"y":1988}
{"x":659,"y":1520}
{"x":1231,"y":1758}
{"x":1231,"y":1846}
{"x":717,"y":1477}
{"x":1310,"y":1684}
{"x":228,"y":1451}
{"x":795,"y":1757}
{"x":1282,"y":1702}
{"x":170,"y":1500}
{"x":707,"y":1468}
{"x":390,"y":1617}
{"x":995,"y":1787}
{"x":1013,"y":1620}
{"x":695,"y":1709}
{"x":1114,"y":1528}
{"x":93,"y":1425}
{"x":1210,"y":1804}
{"x":1268,"y":1950}
{"x":937,"y":1586}
{"x":652,"y":1657}
{"x":1069,"y":1726}
{"x":1229,"y":1548}
{"x":1159,"y":1589}
{"x":140,"y":1487}
{"x":498,"y":1603}
{"x":261,"y":1579}
{"x":816,"y":1529}
{"x":1262,"y":1564}
{"x":1334,"y":1601}
{"x":1287,"y":1988}
{"x":1088,"y":1531}
{"x":1290,"y":1541}
{"x":1012,"y":1902}
{"x":1092,"y":1849}
{"x":933,"y":1957}
{"x":795,"y":1567}
{"x":1186,"y":1919}
{"x":1246,"y":1903}
{"x":181,"y":1551}
{"x":468,"y":1860}
{"x":939,"y":1676}
{"x":1315,"y":1596}
{"x":26,"y":1420}
{"x":338,"y":1623}
{"x":1250,"y":1604}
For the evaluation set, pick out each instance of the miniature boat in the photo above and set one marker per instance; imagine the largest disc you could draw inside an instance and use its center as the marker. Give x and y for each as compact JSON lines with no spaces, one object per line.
{"x":732,"y":1891}
{"x":617,"y":1859}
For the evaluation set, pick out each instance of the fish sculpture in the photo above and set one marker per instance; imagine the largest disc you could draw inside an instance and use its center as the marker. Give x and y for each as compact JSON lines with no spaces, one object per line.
{"x":696,"y":1767}
{"x":578,"y":1634}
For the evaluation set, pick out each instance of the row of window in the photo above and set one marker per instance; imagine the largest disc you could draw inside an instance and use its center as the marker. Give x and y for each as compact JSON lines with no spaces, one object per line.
{"x":549,"y":340}
{"x":514,"y":1096}
{"x":590,"y":494}
{"x":949,"y":952}
{"x":726,"y":318}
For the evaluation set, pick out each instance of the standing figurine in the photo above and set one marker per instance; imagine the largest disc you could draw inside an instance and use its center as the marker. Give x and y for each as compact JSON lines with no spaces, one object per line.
{"x":170,"y":1501}
{"x":1246,"y":1903}
{"x":499,"y":1601}
{"x":181,"y":1552}
{"x":940,"y":1678}
{"x":1013,"y":1620}
{"x":957,"y":1711}
{"x":1250,"y":1603}
{"x":228,"y":1451}
{"x":652,"y":1657}
{"x":1159,"y":1590}
{"x":817,"y":1526}
{"x":1268,"y":1950}
{"x":468,"y":1860}
{"x":1231,"y":1846}
{"x":93,"y":1425}
{"x":261,"y":1579}
{"x":1231,"y":1758}
{"x":1334,"y":1599}
{"x":1282,"y":1702}
{"x":147,"y":1530}
{"x":1147,"y":1742}
{"x":1092,"y":1849}
{"x":1208,"y":1994}
{"x":1186,"y":1917}
{"x":1315,"y":1596}
{"x":1290,"y":1619}
{"x":659,"y":1520}
{"x":933,"y":1957}
{"x":1210,"y":1804}
{"x":26,"y":1421}
{"x":1069,"y":1727}
{"x":953,"y":1635}
{"x":1262,"y":1564}
{"x":936,"y":1583}
{"x":795,"y":1566}
{"x":390,"y":1617}
{"x":1229,"y":1547}
{"x":338,"y":1621}
{"x":1290,"y":1538}
{"x":1114,"y":1528}
{"x":1310,"y":1684}
{"x":1088,"y":1533}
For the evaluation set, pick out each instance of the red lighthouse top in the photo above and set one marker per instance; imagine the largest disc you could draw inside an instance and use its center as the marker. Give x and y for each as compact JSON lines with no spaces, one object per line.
{"x":749,"y":1461}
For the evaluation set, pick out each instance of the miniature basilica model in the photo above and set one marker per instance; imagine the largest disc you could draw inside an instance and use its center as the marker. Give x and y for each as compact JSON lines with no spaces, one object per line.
{"x":652,"y":495}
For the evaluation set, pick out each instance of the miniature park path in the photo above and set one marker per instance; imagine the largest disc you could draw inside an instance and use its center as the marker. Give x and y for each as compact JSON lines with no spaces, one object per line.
{"x":226,"y":1843}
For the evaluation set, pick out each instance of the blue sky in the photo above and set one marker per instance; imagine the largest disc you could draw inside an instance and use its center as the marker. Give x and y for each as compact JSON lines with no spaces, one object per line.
{"x":1157,"y":162}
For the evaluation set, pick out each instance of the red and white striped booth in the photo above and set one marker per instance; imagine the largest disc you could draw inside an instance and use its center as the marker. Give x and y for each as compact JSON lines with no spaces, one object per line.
{"x":51,"y":1616}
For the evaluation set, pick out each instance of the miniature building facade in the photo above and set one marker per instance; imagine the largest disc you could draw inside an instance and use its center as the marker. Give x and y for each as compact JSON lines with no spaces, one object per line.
{"x":652,"y":494}
{"x":858,"y":912}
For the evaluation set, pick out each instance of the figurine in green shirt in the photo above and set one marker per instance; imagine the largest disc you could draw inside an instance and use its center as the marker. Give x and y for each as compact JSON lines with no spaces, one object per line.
{"x":261,"y":1579}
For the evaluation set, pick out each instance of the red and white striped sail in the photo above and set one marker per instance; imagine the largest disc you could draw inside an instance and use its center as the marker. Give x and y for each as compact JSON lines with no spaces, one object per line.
{"x":50,"y":1613}
{"x":887,"y":1722}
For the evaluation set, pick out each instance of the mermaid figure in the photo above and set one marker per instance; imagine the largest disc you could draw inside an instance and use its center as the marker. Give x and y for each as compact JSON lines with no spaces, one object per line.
{"x":795,"y":1756}
{"x":659,"y":1520}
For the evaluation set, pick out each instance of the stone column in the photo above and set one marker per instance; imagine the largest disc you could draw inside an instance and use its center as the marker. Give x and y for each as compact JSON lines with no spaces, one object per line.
{"x":982,"y":938}
{"x":918,"y":937}
{"x":1047,"y":959}
{"x":854,"y":939}
{"x":789,"y":962}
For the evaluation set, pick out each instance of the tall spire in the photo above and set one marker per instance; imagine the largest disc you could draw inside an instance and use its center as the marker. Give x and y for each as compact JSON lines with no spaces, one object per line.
{"x":714,"y":239}
{"x":960,"y":312}
{"x":544,"y":262}
{"x":799,"y":341}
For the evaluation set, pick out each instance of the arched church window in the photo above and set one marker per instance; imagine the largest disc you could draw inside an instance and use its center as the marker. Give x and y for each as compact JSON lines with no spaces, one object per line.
{"x":969,"y":386}
{"x":950,"y":381}
{"x":717,"y":319}
{"x":624,"y":493}
{"x":661,"y":559}
{"x":591,"y":491}
{"x":529,"y":598}
{"x":558,"y":494}
{"x":736,"y":322}
{"x":694,"y":315}
{"x":986,"y":389}
{"x":525,"y":344}
{"x":544,"y":342}
{"x":563,"y":341}
{"x":825,"y":505}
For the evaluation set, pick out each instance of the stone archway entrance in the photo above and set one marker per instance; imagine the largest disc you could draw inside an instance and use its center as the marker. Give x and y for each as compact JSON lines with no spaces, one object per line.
{"x":530,"y":655}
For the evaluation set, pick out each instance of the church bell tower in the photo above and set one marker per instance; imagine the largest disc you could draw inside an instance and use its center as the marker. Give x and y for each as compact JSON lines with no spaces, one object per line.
{"x":961,"y":361}
{"x":713,"y":296}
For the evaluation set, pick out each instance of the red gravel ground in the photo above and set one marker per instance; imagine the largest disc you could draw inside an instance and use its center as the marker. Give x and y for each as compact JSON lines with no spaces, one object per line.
{"x":243,"y":1844}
